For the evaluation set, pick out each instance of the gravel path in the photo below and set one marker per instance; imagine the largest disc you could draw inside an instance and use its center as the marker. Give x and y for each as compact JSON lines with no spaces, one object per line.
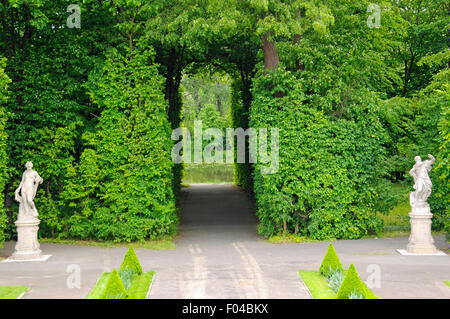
{"x":219,"y":255}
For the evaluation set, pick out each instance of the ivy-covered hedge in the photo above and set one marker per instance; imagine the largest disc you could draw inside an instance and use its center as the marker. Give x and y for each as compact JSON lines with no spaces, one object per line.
{"x":4,"y":80}
{"x":239,"y":114}
{"x":329,"y":178}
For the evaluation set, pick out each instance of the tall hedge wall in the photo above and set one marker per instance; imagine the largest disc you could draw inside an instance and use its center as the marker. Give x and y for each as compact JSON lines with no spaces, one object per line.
{"x":123,"y":188}
{"x":239,"y":116}
{"x":329,"y":174}
{"x":4,"y":80}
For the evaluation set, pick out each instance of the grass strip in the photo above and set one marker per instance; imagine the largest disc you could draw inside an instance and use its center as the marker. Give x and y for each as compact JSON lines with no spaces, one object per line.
{"x":162,"y":244}
{"x":12,"y":292}
{"x":99,"y":287}
{"x":139,"y":287}
{"x":317,"y":284}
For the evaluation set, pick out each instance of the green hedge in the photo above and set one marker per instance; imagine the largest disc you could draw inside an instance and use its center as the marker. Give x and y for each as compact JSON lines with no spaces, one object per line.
{"x":330,"y":261}
{"x":329,"y":179}
{"x":239,"y":113}
{"x":352,"y":284}
{"x":4,"y":81}
{"x":122,"y":189}
{"x":130,"y":261}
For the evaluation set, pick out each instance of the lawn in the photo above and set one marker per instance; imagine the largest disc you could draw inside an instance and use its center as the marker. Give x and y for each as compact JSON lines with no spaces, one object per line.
{"x":12,"y":292}
{"x":161,"y":244}
{"x":317,"y":284}
{"x":208,"y":173}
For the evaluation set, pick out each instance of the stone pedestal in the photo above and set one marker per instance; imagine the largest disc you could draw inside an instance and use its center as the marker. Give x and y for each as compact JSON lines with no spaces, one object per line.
{"x":420,"y":240}
{"x":27,"y":246}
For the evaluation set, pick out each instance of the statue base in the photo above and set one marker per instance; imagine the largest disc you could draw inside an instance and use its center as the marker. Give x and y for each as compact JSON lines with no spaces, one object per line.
{"x":420,"y":240}
{"x":27,"y":246}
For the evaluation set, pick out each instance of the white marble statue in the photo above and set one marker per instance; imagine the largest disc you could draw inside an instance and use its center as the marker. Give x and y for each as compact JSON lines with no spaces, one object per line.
{"x":27,"y":223}
{"x":422,"y":182}
{"x":27,"y":189}
{"x":420,"y":240}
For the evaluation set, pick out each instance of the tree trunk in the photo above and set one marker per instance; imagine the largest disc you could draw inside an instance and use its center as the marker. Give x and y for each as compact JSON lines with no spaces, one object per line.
{"x":271,"y":58}
{"x":219,"y":101}
{"x":297,"y":37}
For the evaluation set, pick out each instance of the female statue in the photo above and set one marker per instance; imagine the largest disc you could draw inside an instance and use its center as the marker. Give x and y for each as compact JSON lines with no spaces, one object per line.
{"x":422,"y":182}
{"x":28,"y":187}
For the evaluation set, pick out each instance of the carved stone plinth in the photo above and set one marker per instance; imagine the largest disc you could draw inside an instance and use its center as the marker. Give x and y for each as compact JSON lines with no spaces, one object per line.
{"x":27,"y":246}
{"x":420,"y":240}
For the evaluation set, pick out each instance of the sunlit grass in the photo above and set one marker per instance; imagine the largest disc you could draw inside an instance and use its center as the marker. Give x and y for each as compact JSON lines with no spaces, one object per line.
{"x":317,"y":284}
{"x":12,"y":292}
{"x":208,"y":173}
{"x":162,"y":244}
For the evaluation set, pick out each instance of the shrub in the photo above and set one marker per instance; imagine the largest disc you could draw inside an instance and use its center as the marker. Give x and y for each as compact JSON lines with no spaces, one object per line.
{"x":127,"y":276}
{"x":124,"y":187}
{"x":330,"y":262}
{"x":355,"y":295}
{"x":4,"y":80}
{"x":239,"y":105}
{"x":114,"y":288}
{"x":335,"y":278}
{"x":131,"y":262}
{"x":329,"y":180}
{"x":353,"y":285}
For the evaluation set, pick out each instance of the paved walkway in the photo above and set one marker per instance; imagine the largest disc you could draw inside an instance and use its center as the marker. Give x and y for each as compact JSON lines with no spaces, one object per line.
{"x":219,"y":255}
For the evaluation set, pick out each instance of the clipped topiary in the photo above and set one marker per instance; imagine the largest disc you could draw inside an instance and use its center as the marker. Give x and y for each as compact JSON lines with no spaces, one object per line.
{"x":114,"y":288}
{"x":330,"y":262}
{"x":131,"y":262}
{"x":353,"y":285}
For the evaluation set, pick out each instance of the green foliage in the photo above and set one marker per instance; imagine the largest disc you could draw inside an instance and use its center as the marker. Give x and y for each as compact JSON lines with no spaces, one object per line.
{"x":206,"y":98}
{"x":419,"y":126}
{"x":131,"y":262}
{"x":330,"y":262}
{"x":114,"y":288}
{"x":355,"y":295}
{"x":128,"y":167}
{"x":335,"y":278}
{"x":317,"y":284}
{"x":98,"y":290}
{"x":239,"y":119}
{"x":12,"y":292}
{"x":48,"y":105}
{"x":329,"y":183}
{"x":127,"y":276}
{"x":140,"y":286}
{"x":93,"y":111}
{"x":353,"y":285}
{"x":4,"y":81}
